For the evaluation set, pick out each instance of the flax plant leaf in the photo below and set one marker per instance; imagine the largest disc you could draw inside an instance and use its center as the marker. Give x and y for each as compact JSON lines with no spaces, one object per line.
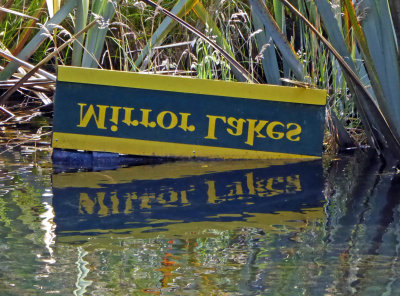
{"x":381,"y":135}
{"x":358,"y":32}
{"x":267,"y":52}
{"x":380,"y":38}
{"x":95,"y":37}
{"x":258,"y":7}
{"x":279,"y":14}
{"x":82,"y":13}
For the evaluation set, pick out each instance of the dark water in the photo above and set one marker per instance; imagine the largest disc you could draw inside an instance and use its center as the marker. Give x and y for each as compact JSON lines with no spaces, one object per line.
{"x":199,"y":228}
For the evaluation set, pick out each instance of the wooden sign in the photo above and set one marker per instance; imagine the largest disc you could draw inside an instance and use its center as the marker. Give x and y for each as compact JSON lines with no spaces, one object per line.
{"x":144,"y":114}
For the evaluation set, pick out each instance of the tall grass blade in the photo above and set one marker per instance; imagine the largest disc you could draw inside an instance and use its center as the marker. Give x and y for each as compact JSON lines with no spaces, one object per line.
{"x":205,"y":17}
{"x":279,"y":14}
{"x":33,"y":45}
{"x":95,"y":38}
{"x":181,"y":8}
{"x":88,"y":59}
{"x":258,"y":7}
{"x":10,"y":57}
{"x":6,"y":10}
{"x":226,"y":55}
{"x":82,"y":13}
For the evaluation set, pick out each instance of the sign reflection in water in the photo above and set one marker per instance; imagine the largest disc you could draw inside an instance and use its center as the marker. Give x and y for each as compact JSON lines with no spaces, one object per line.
{"x":174,"y":197}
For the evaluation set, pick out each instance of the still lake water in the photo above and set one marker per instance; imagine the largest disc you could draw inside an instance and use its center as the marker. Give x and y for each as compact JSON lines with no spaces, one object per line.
{"x":199,"y":228}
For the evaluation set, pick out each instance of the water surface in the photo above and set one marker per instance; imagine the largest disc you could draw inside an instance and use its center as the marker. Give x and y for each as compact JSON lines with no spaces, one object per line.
{"x":199,"y":228}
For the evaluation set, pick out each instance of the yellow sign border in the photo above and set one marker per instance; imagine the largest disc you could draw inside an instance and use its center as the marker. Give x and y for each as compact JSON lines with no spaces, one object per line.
{"x":192,"y":85}
{"x":160,"y":149}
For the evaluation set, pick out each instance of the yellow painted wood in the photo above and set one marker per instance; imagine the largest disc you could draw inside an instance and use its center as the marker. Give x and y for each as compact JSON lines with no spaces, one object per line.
{"x":193,"y":85}
{"x":154,"y":148}
{"x":263,"y":221}
{"x":170,"y":170}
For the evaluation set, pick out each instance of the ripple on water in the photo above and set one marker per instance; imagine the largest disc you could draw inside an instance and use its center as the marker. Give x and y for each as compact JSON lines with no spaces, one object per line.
{"x":218,"y":236}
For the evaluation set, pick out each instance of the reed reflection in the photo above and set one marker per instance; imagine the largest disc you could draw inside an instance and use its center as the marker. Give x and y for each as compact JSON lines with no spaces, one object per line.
{"x":363,"y":227}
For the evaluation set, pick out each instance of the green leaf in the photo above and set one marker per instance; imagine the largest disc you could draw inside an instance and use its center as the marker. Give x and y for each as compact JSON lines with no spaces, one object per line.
{"x":266,"y":47}
{"x":279,"y":14}
{"x":96,"y":36}
{"x":368,"y":61}
{"x":334,"y":33}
